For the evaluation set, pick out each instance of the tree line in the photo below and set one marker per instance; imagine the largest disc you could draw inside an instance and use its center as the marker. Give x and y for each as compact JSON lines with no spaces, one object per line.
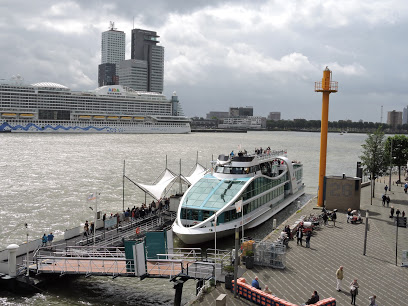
{"x":341,"y":125}
{"x":380,"y":154}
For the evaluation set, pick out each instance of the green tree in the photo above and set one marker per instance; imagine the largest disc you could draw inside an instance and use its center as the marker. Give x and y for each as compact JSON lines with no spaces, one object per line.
{"x":372,"y":157}
{"x":398,"y":147}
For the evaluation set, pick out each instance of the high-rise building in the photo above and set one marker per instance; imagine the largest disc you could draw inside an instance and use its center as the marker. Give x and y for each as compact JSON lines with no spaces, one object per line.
{"x":394,"y":119}
{"x":405,"y":115}
{"x":113,"y":51}
{"x":144,"y":48}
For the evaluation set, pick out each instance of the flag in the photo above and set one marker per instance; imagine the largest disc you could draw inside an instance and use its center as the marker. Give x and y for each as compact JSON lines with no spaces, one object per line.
{"x":92,"y":196}
{"x":238,"y":206}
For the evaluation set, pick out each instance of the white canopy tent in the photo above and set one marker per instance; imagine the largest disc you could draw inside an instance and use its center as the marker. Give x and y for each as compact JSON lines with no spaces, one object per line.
{"x":198,"y":173}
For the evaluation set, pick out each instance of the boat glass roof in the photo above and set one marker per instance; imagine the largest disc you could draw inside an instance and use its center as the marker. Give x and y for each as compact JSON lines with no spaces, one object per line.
{"x":211,"y":193}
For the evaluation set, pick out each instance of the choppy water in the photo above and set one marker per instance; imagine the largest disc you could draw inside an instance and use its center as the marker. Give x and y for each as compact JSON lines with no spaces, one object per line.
{"x":46,"y":179}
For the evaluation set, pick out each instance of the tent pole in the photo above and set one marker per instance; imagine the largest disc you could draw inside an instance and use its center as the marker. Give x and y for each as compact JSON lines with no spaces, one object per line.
{"x":123,"y":186}
{"x":181,"y":190}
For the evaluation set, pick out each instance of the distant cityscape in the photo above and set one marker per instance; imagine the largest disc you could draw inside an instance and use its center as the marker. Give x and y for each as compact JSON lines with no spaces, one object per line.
{"x":145,"y":72}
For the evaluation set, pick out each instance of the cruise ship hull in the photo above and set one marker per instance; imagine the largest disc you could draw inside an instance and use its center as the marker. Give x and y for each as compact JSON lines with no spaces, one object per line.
{"x":200,"y":235}
{"x":23,"y":126}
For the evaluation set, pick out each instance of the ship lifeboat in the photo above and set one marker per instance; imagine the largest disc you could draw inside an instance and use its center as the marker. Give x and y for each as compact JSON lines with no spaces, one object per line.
{"x":8,"y":115}
{"x":99,"y":117}
{"x":138,"y":118}
{"x":112,"y":118}
{"x":85,"y":117}
{"x":125,"y":118}
{"x":27,"y":116}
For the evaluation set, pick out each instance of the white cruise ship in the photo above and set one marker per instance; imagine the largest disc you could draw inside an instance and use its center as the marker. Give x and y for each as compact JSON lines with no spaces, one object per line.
{"x":266,"y":183}
{"x":51,"y":107}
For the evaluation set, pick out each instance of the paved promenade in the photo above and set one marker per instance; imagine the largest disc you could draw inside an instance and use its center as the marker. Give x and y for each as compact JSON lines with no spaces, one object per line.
{"x":315,"y":268}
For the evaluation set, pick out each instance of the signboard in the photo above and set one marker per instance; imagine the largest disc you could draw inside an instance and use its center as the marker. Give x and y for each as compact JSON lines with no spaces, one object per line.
{"x":238,"y":206}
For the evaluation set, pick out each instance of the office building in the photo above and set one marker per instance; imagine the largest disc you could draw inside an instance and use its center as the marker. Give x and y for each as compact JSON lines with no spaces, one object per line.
{"x":275,"y":116}
{"x":405,"y":115}
{"x":218,"y":115}
{"x":241,"y":111}
{"x":394,"y":119}
{"x":112,"y":52}
{"x":144,"y":48}
{"x":134,"y":74}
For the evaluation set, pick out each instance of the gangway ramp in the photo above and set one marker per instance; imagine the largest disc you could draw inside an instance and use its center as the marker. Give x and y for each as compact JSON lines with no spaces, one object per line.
{"x":110,"y":261}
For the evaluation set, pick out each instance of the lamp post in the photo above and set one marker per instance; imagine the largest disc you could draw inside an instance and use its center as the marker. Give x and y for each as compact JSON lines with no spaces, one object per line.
{"x":215,"y":251}
{"x":28,"y":271}
{"x":389,"y":187}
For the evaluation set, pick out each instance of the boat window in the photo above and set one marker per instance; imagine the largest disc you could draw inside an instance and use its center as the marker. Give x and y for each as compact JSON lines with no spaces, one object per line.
{"x":183,"y":213}
{"x":194,"y":214}
{"x":227,"y":216}
{"x":219,"y":169}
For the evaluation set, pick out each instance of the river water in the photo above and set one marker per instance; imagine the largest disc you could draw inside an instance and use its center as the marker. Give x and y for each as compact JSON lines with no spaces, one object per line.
{"x":46,"y":179}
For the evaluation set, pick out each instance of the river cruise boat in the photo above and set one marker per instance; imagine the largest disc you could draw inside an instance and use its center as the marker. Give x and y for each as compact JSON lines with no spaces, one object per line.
{"x":51,"y":107}
{"x":262,"y":183}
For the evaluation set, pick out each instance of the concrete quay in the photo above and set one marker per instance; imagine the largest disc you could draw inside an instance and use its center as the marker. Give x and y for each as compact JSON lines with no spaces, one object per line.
{"x":309,"y":269}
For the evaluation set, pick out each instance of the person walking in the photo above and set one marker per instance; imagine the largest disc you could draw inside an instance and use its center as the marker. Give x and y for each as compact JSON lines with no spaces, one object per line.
{"x":354,"y":291}
{"x":325,"y":218}
{"x":299,"y":236}
{"x":388,"y":201}
{"x":339,"y":277}
{"x":308,"y":235}
{"x":392,"y":212}
{"x":50,"y":239}
{"x":384,"y":198}
{"x":386,"y":189}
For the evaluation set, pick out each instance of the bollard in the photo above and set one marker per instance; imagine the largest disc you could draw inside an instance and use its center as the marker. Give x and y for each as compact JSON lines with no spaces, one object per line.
{"x":12,"y":261}
{"x":274,"y":223}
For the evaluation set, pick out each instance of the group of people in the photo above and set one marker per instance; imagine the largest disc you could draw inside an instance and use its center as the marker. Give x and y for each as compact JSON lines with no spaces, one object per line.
{"x":299,"y":235}
{"x":255,"y":284}
{"x":47,"y":240}
{"x":385,"y":199}
{"x":397,"y":212}
{"x":353,"y":288}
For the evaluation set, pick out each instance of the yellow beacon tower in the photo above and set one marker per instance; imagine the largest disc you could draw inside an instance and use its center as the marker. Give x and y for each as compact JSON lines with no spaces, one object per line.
{"x":326,"y":86}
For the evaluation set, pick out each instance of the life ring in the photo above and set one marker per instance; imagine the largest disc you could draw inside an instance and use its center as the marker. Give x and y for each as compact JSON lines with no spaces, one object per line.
{"x":137,"y":230}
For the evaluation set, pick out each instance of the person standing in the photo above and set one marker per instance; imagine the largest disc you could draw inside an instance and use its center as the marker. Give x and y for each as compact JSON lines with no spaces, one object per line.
{"x":386,"y":189}
{"x":372,"y":300}
{"x":388,"y":201}
{"x":392,"y":212}
{"x":299,"y":235}
{"x":348,"y":215}
{"x":44,"y":240}
{"x":325,"y":218}
{"x":339,"y":277}
{"x":354,"y":291}
{"x":334,"y":217}
{"x":308,"y":235}
{"x":50,"y":239}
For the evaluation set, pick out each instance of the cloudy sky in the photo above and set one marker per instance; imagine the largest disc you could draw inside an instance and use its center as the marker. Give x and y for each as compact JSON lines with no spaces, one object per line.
{"x":218,"y":54}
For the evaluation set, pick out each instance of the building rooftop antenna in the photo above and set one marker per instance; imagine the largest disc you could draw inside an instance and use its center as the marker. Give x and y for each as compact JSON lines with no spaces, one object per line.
{"x":112,"y":26}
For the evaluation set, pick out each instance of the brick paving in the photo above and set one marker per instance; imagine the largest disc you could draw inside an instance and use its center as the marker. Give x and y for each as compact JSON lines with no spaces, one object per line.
{"x":314,"y":269}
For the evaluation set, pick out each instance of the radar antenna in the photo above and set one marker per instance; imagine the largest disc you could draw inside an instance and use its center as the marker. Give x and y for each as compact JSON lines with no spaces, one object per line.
{"x":112,"y":26}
